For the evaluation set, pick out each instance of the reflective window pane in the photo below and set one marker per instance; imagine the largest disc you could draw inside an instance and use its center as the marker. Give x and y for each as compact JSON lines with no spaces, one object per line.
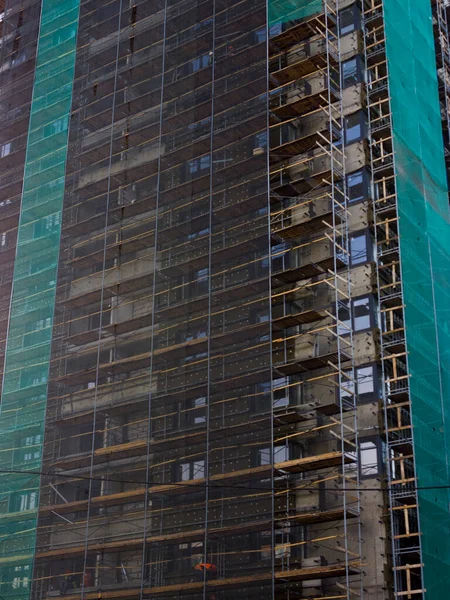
{"x":368,"y":459}
{"x":358,"y":249}
{"x":361,"y":314}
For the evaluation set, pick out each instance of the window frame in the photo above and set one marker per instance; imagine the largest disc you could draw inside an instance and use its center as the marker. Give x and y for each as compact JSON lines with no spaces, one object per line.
{"x":359,"y":71}
{"x":280,"y":449}
{"x":196,"y":413}
{"x":360,"y":115}
{"x":353,"y":9}
{"x":364,"y":233}
{"x":376,"y":441}
{"x":371,"y":303}
{"x":191,"y":469}
{"x":365,"y":183}
{"x":372,"y":315}
{"x":366,"y":397}
{"x":375,"y":394}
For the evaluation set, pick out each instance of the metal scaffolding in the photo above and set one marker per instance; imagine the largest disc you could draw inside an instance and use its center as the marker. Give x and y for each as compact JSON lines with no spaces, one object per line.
{"x":183,"y":395}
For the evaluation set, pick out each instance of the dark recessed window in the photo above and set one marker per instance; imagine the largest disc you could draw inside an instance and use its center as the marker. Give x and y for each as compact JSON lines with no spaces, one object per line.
{"x":368,"y":385}
{"x":280,"y":454}
{"x":345,"y":324}
{"x":191,"y":470}
{"x":349,"y":19}
{"x":259,"y":315}
{"x":362,"y":315}
{"x":360,"y":248}
{"x":280,"y":392}
{"x":352,"y":71}
{"x":199,"y":164}
{"x":199,"y":410}
{"x":355,"y":127}
{"x":358,"y":185}
{"x":370,"y":457}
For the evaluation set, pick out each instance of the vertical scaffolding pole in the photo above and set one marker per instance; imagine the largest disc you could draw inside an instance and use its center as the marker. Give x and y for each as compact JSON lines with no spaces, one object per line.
{"x":343,"y":293}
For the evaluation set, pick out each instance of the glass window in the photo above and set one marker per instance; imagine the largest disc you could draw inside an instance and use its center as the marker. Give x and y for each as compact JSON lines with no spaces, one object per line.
{"x":367,"y":384}
{"x":352,"y":71}
{"x":264,"y":456}
{"x":201,"y":62}
{"x":361,"y":314}
{"x":359,"y":251}
{"x":258,"y":315}
{"x":261,"y":317}
{"x":199,"y":164}
{"x":31,"y":447}
{"x":344,"y":325}
{"x":260,"y":36}
{"x":200,"y":410}
{"x":361,"y":317}
{"x":197,"y":234}
{"x":192,"y":553}
{"x":354,"y":127}
{"x":281,"y":454}
{"x":349,"y":19}
{"x":26,"y":501}
{"x":282,"y":551}
{"x":204,"y":162}
{"x":187,"y":548}
{"x":202,"y":274}
{"x":192,"y":470}
{"x":194,"y":357}
{"x":280,"y":392}
{"x":200,"y":124}
{"x":21,"y":577}
{"x":280,"y":256}
{"x":6,"y":149}
{"x":200,"y":280}
{"x":264,"y":263}
{"x":275,"y":29}
{"x":358,"y":186}
{"x":261,"y":139}
{"x":193,"y":165}
{"x":198,"y":469}
{"x":366,"y":380}
{"x":347,"y":389}
{"x":368,"y":459}
{"x":185,"y":470}
{"x":263,"y":386}
{"x":60,"y":125}
{"x":280,"y":398}
{"x":195,"y":334}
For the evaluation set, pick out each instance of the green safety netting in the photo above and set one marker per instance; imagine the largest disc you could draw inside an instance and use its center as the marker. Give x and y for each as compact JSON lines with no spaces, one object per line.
{"x":425,"y":261}
{"x":283,"y":11}
{"x":24,"y":392}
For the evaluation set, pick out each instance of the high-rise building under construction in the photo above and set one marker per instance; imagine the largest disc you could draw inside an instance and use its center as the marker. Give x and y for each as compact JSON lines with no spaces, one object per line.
{"x":224,"y":300}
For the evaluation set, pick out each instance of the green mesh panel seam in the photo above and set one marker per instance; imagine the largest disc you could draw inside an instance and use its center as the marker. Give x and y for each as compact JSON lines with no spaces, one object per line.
{"x":27,"y":361}
{"x":284,"y":11}
{"x":424,"y":227}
